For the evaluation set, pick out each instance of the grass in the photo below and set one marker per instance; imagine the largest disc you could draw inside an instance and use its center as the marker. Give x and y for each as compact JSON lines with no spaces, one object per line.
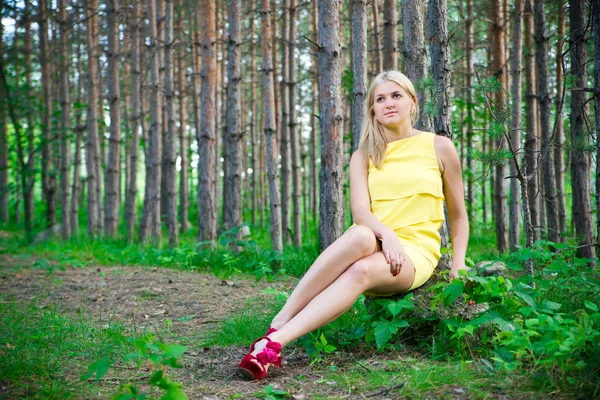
{"x":44,"y":352}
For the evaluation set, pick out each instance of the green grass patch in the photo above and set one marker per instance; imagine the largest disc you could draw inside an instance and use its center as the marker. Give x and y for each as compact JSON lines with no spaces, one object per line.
{"x":43,"y":352}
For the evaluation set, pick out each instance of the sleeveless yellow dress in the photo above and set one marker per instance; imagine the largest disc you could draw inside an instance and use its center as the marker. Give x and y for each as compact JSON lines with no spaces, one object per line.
{"x":407,"y":196}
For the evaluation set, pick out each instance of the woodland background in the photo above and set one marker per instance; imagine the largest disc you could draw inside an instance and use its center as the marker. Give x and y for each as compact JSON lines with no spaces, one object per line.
{"x":169,"y":169}
{"x":215,"y":114}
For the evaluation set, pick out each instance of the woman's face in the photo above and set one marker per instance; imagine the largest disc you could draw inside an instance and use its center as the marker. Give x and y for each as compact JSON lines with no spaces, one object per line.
{"x":392,"y":105}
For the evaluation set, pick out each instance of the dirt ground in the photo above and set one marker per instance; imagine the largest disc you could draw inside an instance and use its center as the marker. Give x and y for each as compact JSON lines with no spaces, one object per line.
{"x":148,"y":297}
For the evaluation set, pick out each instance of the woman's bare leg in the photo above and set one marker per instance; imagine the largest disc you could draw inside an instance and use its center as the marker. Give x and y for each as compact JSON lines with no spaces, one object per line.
{"x":370,"y":273}
{"x":358,"y":242}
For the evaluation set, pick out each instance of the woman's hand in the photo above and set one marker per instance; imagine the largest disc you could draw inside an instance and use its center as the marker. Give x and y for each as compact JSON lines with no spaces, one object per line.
{"x":393,"y":251}
{"x":454,"y":270}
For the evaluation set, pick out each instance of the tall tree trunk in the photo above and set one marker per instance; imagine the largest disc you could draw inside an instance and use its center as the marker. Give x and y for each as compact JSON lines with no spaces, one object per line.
{"x":294,"y":137}
{"x":498,"y":64}
{"x":207,"y":208}
{"x":136,"y":82}
{"x":559,"y":161}
{"x":183,"y":142}
{"x":580,"y":168}
{"x":330,"y":71}
{"x":111,"y":213}
{"x":234,"y":110}
{"x":4,"y":212}
{"x":359,"y":63}
{"x":469,"y":106}
{"x":268,"y":95}
{"x":65,"y":120}
{"x":415,"y":54}
{"x":285,"y":133}
{"x":532,"y":135}
{"x":313,"y":116}
{"x":541,"y":57}
{"x":79,"y":130}
{"x":390,"y":35}
{"x":256,"y":171}
{"x":596,"y":32}
{"x":376,"y":36}
{"x":152,"y":195}
{"x":170,"y":150}
{"x":515,"y":125}
{"x":92,"y":157}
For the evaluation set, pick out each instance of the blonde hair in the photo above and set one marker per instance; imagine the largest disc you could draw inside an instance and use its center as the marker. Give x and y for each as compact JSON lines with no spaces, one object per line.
{"x":372,"y":140}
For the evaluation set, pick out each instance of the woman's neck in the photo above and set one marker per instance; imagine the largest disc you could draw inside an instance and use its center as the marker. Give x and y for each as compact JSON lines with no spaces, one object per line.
{"x":399,"y":132}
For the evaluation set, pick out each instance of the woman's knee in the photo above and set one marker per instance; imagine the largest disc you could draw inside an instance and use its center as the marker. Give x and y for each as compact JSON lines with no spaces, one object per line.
{"x":360,"y":272}
{"x":362,"y":238}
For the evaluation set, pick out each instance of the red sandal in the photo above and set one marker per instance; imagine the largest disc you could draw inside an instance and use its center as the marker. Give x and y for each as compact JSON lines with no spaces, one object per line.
{"x":270,"y":355}
{"x":269,"y":331}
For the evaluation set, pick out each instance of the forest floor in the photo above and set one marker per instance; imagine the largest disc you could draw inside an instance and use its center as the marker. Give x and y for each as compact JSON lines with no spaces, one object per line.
{"x":184,"y":306}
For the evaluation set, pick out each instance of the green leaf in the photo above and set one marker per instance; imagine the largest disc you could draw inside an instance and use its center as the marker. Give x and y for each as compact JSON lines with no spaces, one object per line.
{"x":396,"y":307}
{"x":590,"y":305}
{"x":527,"y":299}
{"x":100,"y":368}
{"x":175,"y":350}
{"x":323,"y":340}
{"x":453,"y":290}
{"x":156,"y":376}
{"x":383,"y":332}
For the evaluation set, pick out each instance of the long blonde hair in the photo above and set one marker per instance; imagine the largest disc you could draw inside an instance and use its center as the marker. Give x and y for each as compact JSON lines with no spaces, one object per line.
{"x":372,"y":140}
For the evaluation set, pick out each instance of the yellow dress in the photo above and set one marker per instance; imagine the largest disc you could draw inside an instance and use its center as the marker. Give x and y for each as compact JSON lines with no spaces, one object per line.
{"x":407,"y":196}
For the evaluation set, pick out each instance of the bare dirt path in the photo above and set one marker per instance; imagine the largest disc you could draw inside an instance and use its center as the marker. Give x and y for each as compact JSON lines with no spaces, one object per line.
{"x":191,"y":303}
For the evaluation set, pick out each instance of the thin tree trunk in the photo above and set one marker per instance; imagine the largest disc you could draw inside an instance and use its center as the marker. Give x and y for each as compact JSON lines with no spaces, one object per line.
{"x":65,"y":124}
{"x":376,"y":36}
{"x":136,"y":82}
{"x":596,"y":32}
{"x":234,"y":109}
{"x":469,"y":106}
{"x":580,"y":167}
{"x":111,"y":213}
{"x":79,"y":130}
{"x":390,"y":35}
{"x":498,"y":64}
{"x":415,"y":55}
{"x":294,"y":137}
{"x":359,"y":63}
{"x":268,"y":95}
{"x":315,"y":101}
{"x":207,"y":208}
{"x":256,"y":171}
{"x":170,"y":150}
{"x":515,"y":125}
{"x":285,"y":133}
{"x":4,"y":212}
{"x":330,"y":71}
{"x":183,"y":142}
{"x":532,"y":135}
{"x":152,"y":196}
{"x":92,"y":157}
{"x":541,"y":57}
{"x":559,"y":161}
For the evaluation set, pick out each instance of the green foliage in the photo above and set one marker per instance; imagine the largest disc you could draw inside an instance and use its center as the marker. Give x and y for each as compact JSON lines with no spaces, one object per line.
{"x":270,"y":393}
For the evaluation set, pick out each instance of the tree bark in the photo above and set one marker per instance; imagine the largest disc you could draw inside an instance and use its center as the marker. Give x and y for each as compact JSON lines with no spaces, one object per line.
{"x":330,"y":72}
{"x":596,"y":32}
{"x":498,"y":62}
{"x":93,"y":142}
{"x":4,"y":212}
{"x":65,"y":121}
{"x":285,"y":133}
{"x":359,"y":64}
{"x":111,"y":213}
{"x":207,"y":207}
{"x":136,"y":82}
{"x":315,"y":106}
{"x":580,"y":168}
{"x":440,"y":64}
{"x":469,"y":106}
{"x":256,"y":191}
{"x":152,"y":195}
{"x":390,"y":35}
{"x":532,"y":135}
{"x":559,"y":161}
{"x":170,"y":150}
{"x":183,"y":141}
{"x":376,"y":37}
{"x":515,"y":125}
{"x":541,"y":57}
{"x":415,"y":55}
{"x":268,"y":95}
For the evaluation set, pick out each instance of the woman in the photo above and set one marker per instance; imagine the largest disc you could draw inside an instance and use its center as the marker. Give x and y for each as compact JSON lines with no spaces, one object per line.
{"x":399,"y":178}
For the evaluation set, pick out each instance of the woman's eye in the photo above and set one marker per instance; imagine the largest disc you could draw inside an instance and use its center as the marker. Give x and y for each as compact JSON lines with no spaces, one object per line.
{"x":397,"y":95}
{"x":379,"y":99}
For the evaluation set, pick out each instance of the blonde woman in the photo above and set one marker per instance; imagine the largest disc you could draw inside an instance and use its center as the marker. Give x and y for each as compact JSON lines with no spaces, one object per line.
{"x":399,"y":178}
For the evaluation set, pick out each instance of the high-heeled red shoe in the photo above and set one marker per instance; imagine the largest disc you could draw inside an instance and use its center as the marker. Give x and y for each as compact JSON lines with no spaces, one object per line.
{"x":255,"y":367}
{"x":269,"y":331}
